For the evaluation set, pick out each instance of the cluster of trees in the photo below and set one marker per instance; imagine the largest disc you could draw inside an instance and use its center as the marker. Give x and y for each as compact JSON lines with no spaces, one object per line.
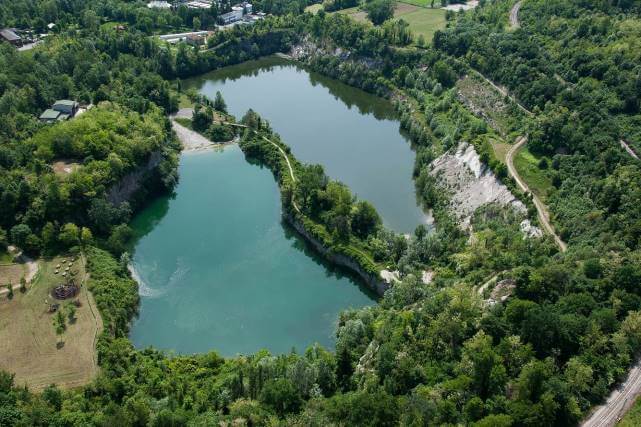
{"x":202,"y":120}
{"x":326,"y":208}
{"x":47,"y":211}
{"x":429,"y":353}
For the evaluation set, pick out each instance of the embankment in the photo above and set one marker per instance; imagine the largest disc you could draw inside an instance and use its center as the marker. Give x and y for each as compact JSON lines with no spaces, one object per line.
{"x":374,"y":282}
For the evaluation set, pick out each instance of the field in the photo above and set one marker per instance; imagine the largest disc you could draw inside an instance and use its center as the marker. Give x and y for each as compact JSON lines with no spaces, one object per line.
{"x":314,"y":8}
{"x":500,"y":150}
{"x":11,"y":273}
{"x":28,"y":342}
{"x":422,"y":21}
{"x":423,"y":3}
{"x":527,"y":166}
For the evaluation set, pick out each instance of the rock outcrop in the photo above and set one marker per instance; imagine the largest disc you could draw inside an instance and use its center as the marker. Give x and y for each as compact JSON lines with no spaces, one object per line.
{"x":132,"y":182}
{"x":375,"y":283}
{"x":470,"y":183}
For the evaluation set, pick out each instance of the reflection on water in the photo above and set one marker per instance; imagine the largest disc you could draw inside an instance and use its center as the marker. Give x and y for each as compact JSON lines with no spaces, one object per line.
{"x":353,"y":134}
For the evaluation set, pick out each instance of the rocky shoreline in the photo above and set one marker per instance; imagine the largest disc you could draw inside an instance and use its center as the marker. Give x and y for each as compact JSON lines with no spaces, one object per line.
{"x":375,"y":283}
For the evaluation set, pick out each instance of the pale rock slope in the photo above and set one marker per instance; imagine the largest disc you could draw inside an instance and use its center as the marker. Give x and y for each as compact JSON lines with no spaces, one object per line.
{"x":471,"y":184}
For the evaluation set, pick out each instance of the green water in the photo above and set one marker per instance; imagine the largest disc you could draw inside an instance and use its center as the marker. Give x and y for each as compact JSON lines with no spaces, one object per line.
{"x":218,"y":269}
{"x":353,"y":134}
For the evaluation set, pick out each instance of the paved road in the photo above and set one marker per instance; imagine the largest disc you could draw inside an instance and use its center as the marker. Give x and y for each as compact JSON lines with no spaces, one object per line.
{"x":619,"y":402}
{"x":514,"y":15}
{"x":541,"y":209}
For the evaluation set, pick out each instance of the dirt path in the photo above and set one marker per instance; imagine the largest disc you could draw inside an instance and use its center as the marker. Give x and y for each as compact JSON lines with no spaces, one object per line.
{"x":541,"y":209}
{"x":619,"y":401}
{"x":629,"y":149}
{"x":192,"y":140}
{"x":514,"y":15}
{"x":29,"y":263}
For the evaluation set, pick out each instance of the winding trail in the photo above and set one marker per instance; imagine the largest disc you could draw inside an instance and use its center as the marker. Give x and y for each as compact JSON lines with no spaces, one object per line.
{"x":541,"y":209}
{"x":192,"y":140}
{"x":628,"y":149}
{"x":514,"y":15}
{"x":623,"y":397}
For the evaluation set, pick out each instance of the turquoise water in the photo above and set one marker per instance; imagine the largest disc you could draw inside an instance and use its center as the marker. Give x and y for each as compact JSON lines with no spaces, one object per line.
{"x":219,"y":271}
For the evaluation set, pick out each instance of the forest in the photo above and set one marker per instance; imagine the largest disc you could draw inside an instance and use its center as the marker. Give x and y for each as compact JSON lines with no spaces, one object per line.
{"x":429,"y":353}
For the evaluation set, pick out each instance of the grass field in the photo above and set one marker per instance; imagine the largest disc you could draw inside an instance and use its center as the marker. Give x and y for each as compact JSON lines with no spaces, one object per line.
{"x":314,"y":8}
{"x":11,"y":272}
{"x":5,"y":257}
{"x":423,"y":3}
{"x":633,"y":417}
{"x":500,"y":150}
{"x":28,"y":342}
{"x":538,"y":180}
{"x":423,"y":21}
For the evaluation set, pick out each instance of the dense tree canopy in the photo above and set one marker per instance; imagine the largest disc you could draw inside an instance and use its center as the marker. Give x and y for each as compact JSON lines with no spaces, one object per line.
{"x":431,"y":352}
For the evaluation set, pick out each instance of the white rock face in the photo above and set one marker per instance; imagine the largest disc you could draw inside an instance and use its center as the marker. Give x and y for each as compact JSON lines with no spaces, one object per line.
{"x":471,"y":183}
{"x":530,"y":230}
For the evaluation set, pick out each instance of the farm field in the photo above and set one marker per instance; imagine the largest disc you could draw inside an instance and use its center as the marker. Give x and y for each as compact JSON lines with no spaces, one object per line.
{"x":28,"y":341}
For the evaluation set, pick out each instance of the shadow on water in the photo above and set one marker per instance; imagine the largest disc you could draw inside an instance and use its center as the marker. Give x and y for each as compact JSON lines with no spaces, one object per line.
{"x":301,"y":245}
{"x":235,"y":72}
{"x":366,"y":103}
{"x":331,"y":270}
{"x":147,"y":219}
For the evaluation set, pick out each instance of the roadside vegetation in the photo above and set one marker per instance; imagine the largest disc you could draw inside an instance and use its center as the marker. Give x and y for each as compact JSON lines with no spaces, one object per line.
{"x":536,"y":172}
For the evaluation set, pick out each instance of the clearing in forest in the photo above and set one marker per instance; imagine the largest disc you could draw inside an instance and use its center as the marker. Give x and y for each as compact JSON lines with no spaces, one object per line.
{"x":535,"y":171}
{"x":422,"y":21}
{"x":28,"y":340}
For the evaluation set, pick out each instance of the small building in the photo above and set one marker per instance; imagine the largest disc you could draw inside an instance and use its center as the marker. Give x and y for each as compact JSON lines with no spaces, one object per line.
{"x":66,"y":106}
{"x":51,"y":25}
{"x":61,"y":110}
{"x":9,"y":35}
{"x":159,"y":5}
{"x":236,"y":14}
{"x":248,"y":8}
{"x":199,"y":5}
{"x":195,"y":40}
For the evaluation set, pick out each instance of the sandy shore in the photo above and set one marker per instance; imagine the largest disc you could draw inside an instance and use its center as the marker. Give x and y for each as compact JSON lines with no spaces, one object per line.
{"x":192,"y":140}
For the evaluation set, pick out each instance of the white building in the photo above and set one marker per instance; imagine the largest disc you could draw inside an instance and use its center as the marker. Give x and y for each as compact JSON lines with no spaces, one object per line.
{"x":158,"y":5}
{"x":199,"y":4}
{"x":236,"y":14}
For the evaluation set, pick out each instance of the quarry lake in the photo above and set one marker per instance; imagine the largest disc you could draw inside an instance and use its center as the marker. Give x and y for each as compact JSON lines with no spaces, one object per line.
{"x":217,"y":267}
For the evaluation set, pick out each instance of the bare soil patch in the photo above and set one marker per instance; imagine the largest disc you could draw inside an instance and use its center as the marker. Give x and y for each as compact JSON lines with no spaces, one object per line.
{"x":65,"y":166}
